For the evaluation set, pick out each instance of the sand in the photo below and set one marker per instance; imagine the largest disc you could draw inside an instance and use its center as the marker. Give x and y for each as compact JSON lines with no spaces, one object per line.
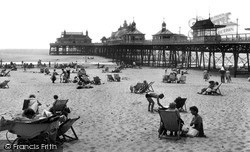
{"x":114,"y":120}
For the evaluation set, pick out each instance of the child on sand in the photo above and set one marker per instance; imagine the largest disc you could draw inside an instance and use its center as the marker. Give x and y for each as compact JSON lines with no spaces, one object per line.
{"x":151,"y":102}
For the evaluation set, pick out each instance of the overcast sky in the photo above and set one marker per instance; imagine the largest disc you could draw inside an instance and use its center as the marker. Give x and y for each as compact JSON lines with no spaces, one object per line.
{"x":36,"y":23}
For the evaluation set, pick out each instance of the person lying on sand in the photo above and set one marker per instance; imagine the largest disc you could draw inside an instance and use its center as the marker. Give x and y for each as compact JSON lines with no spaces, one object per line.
{"x":151,"y":102}
{"x":82,"y":85}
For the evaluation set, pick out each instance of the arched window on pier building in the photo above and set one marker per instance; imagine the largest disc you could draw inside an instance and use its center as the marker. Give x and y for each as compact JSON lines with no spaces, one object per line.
{"x":206,"y":31}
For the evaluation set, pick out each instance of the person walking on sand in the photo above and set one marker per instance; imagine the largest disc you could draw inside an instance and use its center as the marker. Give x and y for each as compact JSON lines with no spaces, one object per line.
{"x":53,"y":77}
{"x":222,"y":74}
{"x":228,"y":76}
{"x":151,"y":102}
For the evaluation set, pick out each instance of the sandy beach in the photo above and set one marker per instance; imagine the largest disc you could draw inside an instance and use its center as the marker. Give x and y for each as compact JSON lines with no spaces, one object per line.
{"x":114,"y":120}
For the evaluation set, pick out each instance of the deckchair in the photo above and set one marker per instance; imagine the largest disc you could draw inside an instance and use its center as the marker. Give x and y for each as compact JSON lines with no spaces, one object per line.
{"x":182,"y":79}
{"x":4,"y":84}
{"x":180,"y":103}
{"x":216,"y":90}
{"x":30,"y":129}
{"x":146,"y":88}
{"x":60,"y":107}
{"x":116,"y":71}
{"x":110,"y":77}
{"x":63,"y":129}
{"x":97,"y":80}
{"x":117,"y":77}
{"x":172,"y":77}
{"x":105,"y":70}
{"x":7,"y":74}
{"x":165,"y":78}
{"x":85,"y":79}
{"x":170,"y":122}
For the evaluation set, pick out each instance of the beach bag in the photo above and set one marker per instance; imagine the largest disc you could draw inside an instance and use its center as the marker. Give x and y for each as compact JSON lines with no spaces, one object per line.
{"x":192,"y":132}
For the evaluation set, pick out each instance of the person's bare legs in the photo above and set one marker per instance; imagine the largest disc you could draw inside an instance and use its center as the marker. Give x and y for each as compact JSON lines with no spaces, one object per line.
{"x":151,"y":104}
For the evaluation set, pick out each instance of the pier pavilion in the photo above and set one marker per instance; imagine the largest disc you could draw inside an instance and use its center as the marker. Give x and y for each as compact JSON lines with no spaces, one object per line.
{"x":165,"y":35}
{"x":71,"y":43}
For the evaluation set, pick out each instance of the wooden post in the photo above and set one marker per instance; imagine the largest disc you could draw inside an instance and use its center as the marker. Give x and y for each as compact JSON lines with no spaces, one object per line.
{"x":164,"y":58}
{"x":203,"y":56}
{"x":197,"y":59}
{"x":248,"y":67}
{"x":214,"y":62}
{"x":235,"y":63}
{"x":209,"y":61}
{"x":142,"y":54}
{"x":175,"y":58}
{"x":183,"y":58}
{"x":223,"y":59}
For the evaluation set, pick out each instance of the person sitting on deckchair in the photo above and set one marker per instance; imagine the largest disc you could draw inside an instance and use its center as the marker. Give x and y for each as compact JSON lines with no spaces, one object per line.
{"x":33,"y":103}
{"x":151,"y":102}
{"x":197,"y":122}
{"x":65,"y":111}
{"x":30,"y":107}
{"x":207,"y":89}
{"x":139,"y":87}
{"x":172,"y":107}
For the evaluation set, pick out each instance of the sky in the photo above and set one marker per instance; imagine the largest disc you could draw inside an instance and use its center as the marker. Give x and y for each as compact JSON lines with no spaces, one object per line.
{"x":34,"y":24}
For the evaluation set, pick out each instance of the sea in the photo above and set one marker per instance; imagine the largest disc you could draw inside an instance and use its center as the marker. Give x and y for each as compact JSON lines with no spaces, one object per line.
{"x":34,"y":55}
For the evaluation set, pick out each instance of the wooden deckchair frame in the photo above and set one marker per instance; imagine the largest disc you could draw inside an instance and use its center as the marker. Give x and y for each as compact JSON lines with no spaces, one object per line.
{"x":117,"y":77}
{"x":182,"y":102}
{"x":170,"y":122}
{"x":64,"y":127}
{"x":4,"y":84}
{"x":110,"y":78}
{"x":216,"y":91}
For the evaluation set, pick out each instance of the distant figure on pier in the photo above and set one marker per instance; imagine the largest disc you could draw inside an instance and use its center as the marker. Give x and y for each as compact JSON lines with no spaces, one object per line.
{"x":222,"y":74}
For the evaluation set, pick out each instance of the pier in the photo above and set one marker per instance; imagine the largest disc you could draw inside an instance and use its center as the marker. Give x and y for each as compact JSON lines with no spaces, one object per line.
{"x":205,"y":50}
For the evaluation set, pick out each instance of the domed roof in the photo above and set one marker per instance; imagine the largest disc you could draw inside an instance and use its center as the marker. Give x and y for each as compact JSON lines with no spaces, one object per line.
{"x":133,"y":24}
{"x":163,"y":24}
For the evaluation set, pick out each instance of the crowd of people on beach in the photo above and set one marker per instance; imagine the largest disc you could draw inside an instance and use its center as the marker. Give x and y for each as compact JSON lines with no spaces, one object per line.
{"x":196,"y":125}
{"x":194,"y":129}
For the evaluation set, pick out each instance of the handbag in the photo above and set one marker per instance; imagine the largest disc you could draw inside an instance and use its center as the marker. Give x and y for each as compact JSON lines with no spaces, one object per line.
{"x":192,"y":132}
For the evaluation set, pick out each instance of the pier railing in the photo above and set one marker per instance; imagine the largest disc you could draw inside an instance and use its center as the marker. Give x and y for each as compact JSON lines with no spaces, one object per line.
{"x":243,"y":37}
